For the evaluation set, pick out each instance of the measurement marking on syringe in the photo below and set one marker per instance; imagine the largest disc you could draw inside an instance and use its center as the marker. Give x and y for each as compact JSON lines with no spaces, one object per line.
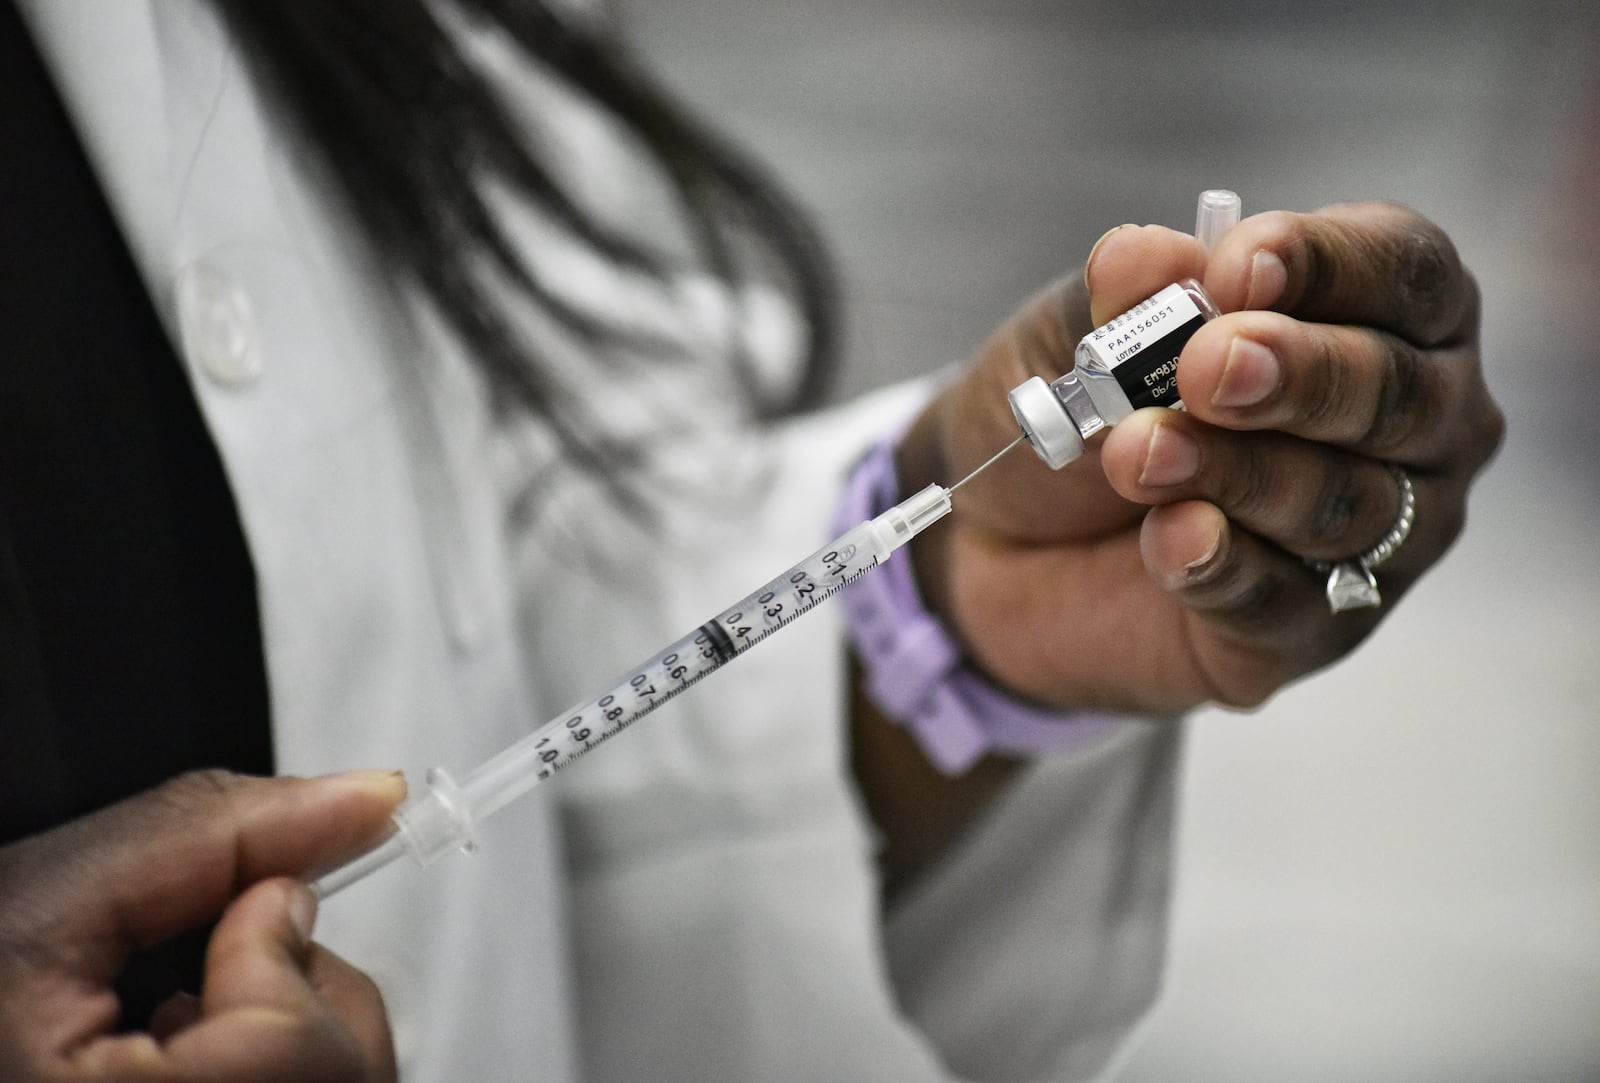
{"x":447,"y":815}
{"x":810,"y":602}
{"x":726,"y":652}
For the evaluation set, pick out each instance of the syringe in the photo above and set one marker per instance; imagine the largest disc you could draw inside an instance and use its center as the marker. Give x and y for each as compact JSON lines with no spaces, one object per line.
{"x":1054,"y":418}
{"x":447,"y":815}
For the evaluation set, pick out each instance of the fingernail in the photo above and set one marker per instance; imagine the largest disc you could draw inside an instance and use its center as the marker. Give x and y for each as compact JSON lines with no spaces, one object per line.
{"x":1170,"y":458}
{"x":1268,"y":277}
{"x":302,"y":911}
{"x":1249,"y":375}
{"x":383,"y":783}
{"x":1203,"y":567}
{"x":1088,"y":264}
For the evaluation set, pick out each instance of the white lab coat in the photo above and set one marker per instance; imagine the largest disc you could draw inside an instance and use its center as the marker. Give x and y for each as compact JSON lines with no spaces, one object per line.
{"x":699,"y":901}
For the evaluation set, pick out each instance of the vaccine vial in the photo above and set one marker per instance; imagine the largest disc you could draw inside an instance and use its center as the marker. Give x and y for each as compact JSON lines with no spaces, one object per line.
{"x":1124,"y":365}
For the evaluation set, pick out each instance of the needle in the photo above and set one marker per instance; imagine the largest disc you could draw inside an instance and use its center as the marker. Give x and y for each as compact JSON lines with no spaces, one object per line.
{"x":993,"y":459}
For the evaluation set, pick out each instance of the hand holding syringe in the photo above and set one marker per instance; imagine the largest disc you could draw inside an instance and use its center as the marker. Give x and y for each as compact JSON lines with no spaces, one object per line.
{"x":1055,"y":419}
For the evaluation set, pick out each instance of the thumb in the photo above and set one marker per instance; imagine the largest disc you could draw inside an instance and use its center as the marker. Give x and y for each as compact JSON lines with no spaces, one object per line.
{"x":1130,"y":263}
{"x":258,"y":952}
{"x":264,"y":1015}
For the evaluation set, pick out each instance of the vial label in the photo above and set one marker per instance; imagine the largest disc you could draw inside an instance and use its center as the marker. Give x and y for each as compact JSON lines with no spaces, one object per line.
{"x":1141,"y":346}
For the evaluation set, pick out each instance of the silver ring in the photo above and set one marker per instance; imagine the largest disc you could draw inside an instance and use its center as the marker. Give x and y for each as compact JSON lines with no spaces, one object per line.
{"x":1351,"y":584}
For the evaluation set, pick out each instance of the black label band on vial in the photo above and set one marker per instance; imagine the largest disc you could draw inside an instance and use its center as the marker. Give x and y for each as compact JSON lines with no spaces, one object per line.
{"x":1150,"y":377}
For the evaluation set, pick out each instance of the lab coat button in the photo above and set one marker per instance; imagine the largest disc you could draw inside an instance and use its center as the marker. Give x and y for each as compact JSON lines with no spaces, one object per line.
{"x":217,"y":325}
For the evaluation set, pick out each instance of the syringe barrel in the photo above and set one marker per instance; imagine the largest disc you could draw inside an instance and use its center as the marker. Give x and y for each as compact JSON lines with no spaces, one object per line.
{"x":505,"y":776}
{"x":800,"y":588}
{"x":446,"y":816}
{"x":550,"y":748}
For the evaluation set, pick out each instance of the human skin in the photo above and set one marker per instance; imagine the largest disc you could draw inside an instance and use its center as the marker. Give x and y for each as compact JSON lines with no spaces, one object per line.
{"x":1165,"y":569}
{"x":76,"y":901}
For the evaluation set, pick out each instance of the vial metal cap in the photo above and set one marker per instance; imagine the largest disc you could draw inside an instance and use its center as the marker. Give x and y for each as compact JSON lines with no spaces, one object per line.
{"x":1045,"y":422}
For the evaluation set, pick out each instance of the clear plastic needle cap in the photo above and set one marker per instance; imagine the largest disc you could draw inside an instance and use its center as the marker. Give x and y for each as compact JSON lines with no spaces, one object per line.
{"x":1217,"y":213}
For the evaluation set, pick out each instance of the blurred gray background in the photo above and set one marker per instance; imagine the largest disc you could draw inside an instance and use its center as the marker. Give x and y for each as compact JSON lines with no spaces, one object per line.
{"x":1391,"y":872}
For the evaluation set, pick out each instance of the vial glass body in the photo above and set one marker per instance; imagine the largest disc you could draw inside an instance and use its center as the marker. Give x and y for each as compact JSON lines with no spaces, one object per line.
{"x":1125,"y":365}
{"x":1132,"y":361}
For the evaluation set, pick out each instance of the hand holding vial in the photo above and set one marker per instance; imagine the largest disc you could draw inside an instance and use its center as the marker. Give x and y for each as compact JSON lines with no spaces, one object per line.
{"x":1167,"y":567}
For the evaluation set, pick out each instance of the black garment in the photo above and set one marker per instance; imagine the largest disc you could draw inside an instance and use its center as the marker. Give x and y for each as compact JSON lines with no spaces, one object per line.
{"x":130,"y":648}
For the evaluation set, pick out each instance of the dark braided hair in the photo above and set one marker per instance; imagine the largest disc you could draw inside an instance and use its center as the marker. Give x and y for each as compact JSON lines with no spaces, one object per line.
{"x":411,"y":128}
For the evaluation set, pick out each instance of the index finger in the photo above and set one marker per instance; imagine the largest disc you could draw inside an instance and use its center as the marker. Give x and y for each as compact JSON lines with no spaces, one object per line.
{"x":149,"y":867}
{"x":1378,"y":265}
{"x":215,"y":833}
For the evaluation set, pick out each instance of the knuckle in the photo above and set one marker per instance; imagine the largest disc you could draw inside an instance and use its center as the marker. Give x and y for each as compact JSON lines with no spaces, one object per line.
{"x":1325,"y":408}
{"x":1430,"y":284}
{"x":1247,"y":487}
{"x":1340,"y":503}
{"x":1310,"y":272}
{"x":1405,"y":398}
{"x":1384,"y":260}
{"x":1428,"y":273}
{"x":200,"y":789}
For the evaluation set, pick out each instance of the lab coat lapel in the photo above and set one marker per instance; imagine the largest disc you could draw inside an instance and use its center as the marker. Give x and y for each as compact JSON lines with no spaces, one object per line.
{"x":143,"y":82}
